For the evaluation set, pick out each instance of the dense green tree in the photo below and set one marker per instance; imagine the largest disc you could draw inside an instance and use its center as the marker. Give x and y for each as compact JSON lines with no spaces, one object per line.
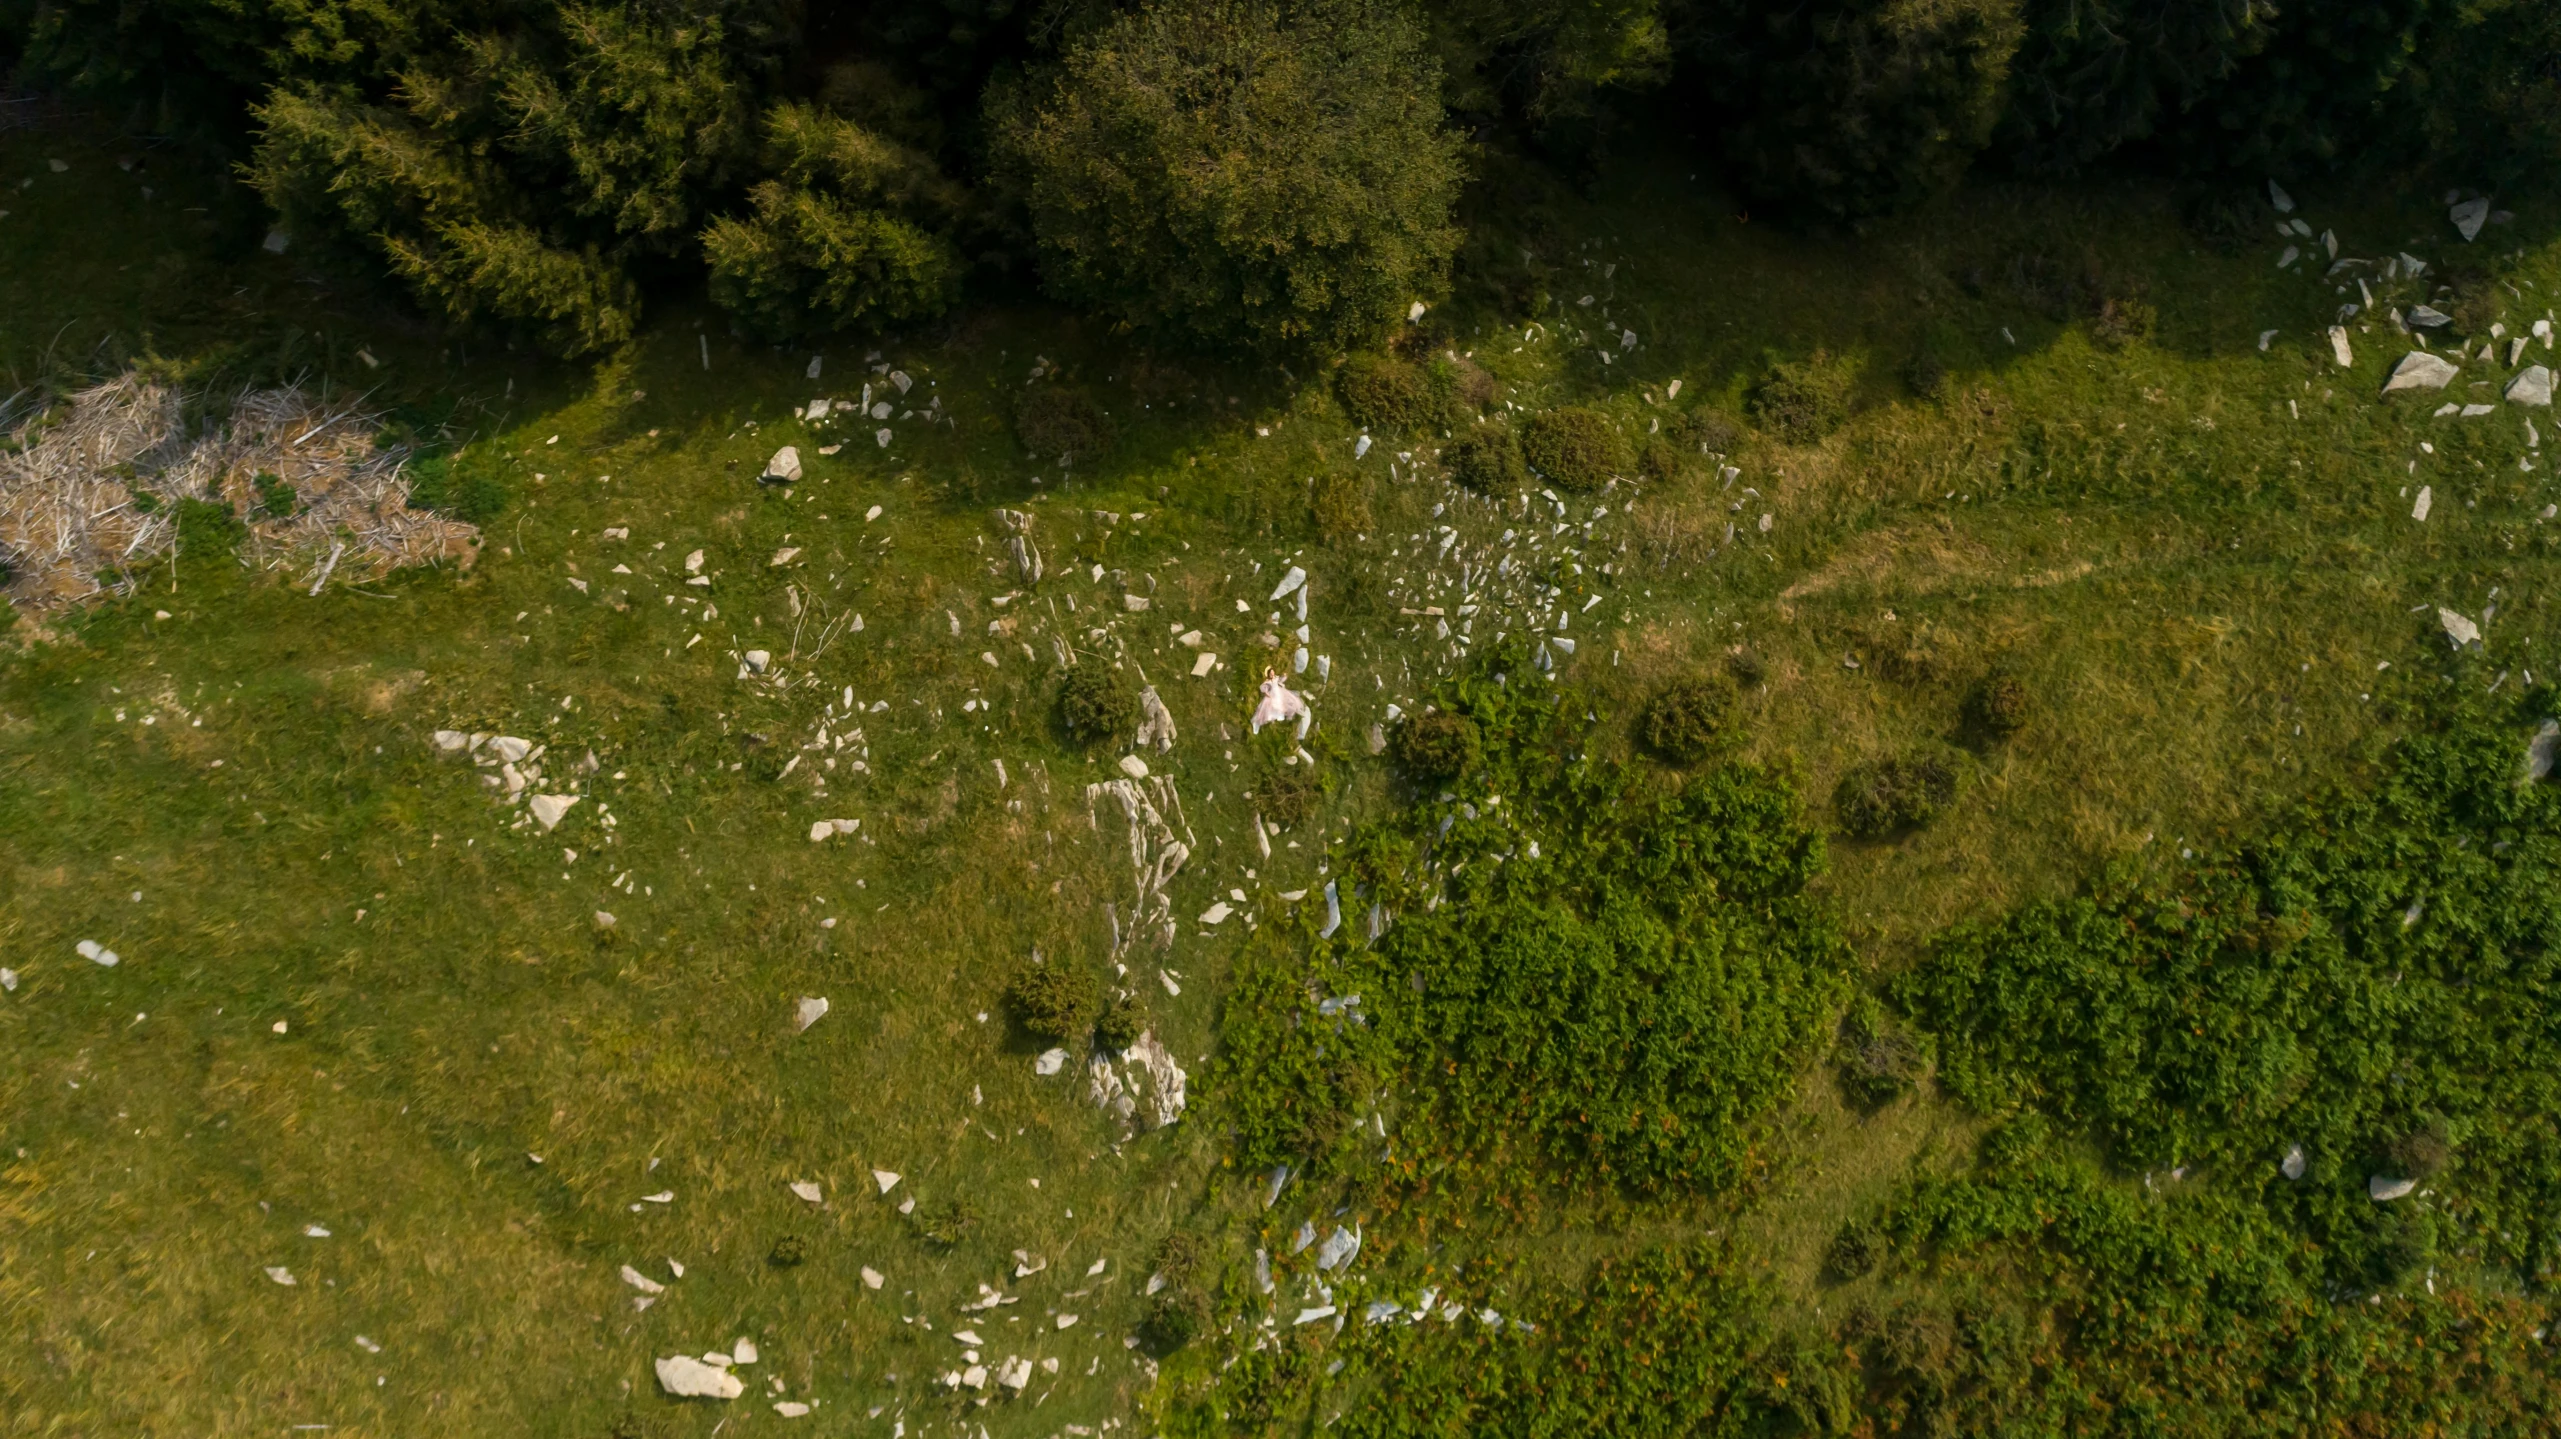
{"x":1237,"y":172}
{"x":1547,"y":61}
{"x":1851,"y":108}
{"x":2484,"y":97}
{"x":2092,"y":75}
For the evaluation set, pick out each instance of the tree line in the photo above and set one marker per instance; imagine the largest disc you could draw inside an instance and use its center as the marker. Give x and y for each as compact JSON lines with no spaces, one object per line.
{"x":1276,"y":175}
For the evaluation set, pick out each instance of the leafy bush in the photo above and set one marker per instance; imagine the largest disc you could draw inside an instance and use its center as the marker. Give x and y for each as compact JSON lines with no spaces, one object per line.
{"x":1382,"y":392}
{"x":1661,"y":461}
{"x":2123,"y":321}
{"x":1486,"y":459}
{"x":946,"y":1224}
{"x":1061,"y":424}
{"x":1179,"y":1310}
{"x":1856,"y":1249}
{"x":1685,"y":718}
{"x":1573,"y":447}
{"x":2373,"y":981}
{"x":1098,"y":703}
{"x":1239,"y":173}
{"x":1894,"y":795}
{"x":789,"y":1252}
{"x":1435,"y":746}
{"x":2000,"y":705}
{"x":1804,"y":401}
{"x":1055,"y":1002}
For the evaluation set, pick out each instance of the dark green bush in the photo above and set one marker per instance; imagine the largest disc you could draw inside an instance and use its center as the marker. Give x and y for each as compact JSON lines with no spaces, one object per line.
{"x":1435,"y":746}
{"x":1661,"y":461}
{"x":1060,"y":424}
{"x":1123,"y":1023}
{"x":1382,"y":392}
{"x":1098,"y":703}
{"x":1486,"y":459}
{"x":1239,"y":173}
{"x":1182,"y":1308}
{"x":1856,"y":1249}
{"x":789,"y":1252}
{"x":1804,"y":401}
{"x":1055,"y":1001}
{"x":1573,"y":447}
{"x":1894,"y":795}
{"x":1686,"y":717}
{"x":2000,"y":705}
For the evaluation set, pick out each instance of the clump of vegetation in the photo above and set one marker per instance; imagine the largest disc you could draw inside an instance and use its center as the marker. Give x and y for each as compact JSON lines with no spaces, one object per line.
{"x":1896,"y":794}
{"x":1098,"y":703}
{"x":1856,"y":1249}
{"x":276,"y":499}
{"x":1288,"y":793}
{"x":208,"y":529}
{"x":1613,"y":1005}
{"x":1712,"y":431}
{"x":1435,"y":746}
{"x":1879,"y":1060}
{"x":1382,"y":392}
{"x":1238,"y":172}
{"x":2124,"y":320}
{"x":789,"y":1252}
{"x":946,"y":1224}
{"x":1179,"y":1310}
{"x":1573,"y":447}
{"x":1123,"y":1023}
{"x":1661,"y":461}
{"x":1339,"y":503}
{"x":1061,"y":423}
{"x":470,"y":486}
{"x":1686,"y":717}
{"x":1999,"y":705}
{"x":1747,"y":667}
{"x":1804,"y":401}
{"x":1486,"y":459}
{"x":1461,"y":389}
{"x":1054,"y":1001}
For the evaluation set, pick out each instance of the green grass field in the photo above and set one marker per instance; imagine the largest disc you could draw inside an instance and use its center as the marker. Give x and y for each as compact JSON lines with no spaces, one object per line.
{"x":361,"y":993}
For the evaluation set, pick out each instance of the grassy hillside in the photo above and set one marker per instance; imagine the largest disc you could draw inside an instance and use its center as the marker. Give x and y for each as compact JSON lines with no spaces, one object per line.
{"x":359,"y":992}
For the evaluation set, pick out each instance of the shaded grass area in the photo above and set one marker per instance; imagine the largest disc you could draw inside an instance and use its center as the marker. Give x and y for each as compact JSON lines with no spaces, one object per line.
{"x":2194,"y":554}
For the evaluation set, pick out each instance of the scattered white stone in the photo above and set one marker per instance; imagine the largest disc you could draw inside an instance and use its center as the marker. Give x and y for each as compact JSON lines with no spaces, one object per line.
{"x":2427,"y":498}
{"x":1067,"y":1321}
{"x":2420,"y":370}
{"x":1216,"y":913}
{"x":2458,"y":629}
{"x":2467,"y":217}
{"x":2266,"y":338}
{"x":452,"y":739}
{"x":1360,"y":447}
{"x":784,"y":466}
{"x":1049,"y":1062}
{"x":1339,"y":1249}
{"x":2292,"y":254}
{"x":2339,"y":347}
{"x":1014,"y":1374}
{"x":2540,"y":752}
{"x":275,"y":242}
{"x":98,"y":954}
{"x":1132,"y":766}
{"x":2532,"y":386}
{"x":2429,"y":317}
{"x":1204,"y":664}
{"x":548,"y":808}
{"x":1310,"y":1316}
{"x":1155,"y":723}
{"x":280,"y":1274}
{"x":2283,"y":202}
{"x":1414,"y":312}
{"x":873,"y":1278}
{"x":790,"y":1408}
{"x":509,"y":749}
{"x":689,"y":1378}
{"x":755,"y":661}
{"x":2474,"y":412}
{"x":810,"y":1010}
{"x":1289,"y":582}
{"x":1135,"y":604}
{"x":743,"y":1352}
{"x":2383,"y":1190}
{"x":807,"y":1192}
{"x":641,"y":1282}
{"x":8,"y":980}
{"x":886,"y":1180}
{"x":975,"y":1376}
